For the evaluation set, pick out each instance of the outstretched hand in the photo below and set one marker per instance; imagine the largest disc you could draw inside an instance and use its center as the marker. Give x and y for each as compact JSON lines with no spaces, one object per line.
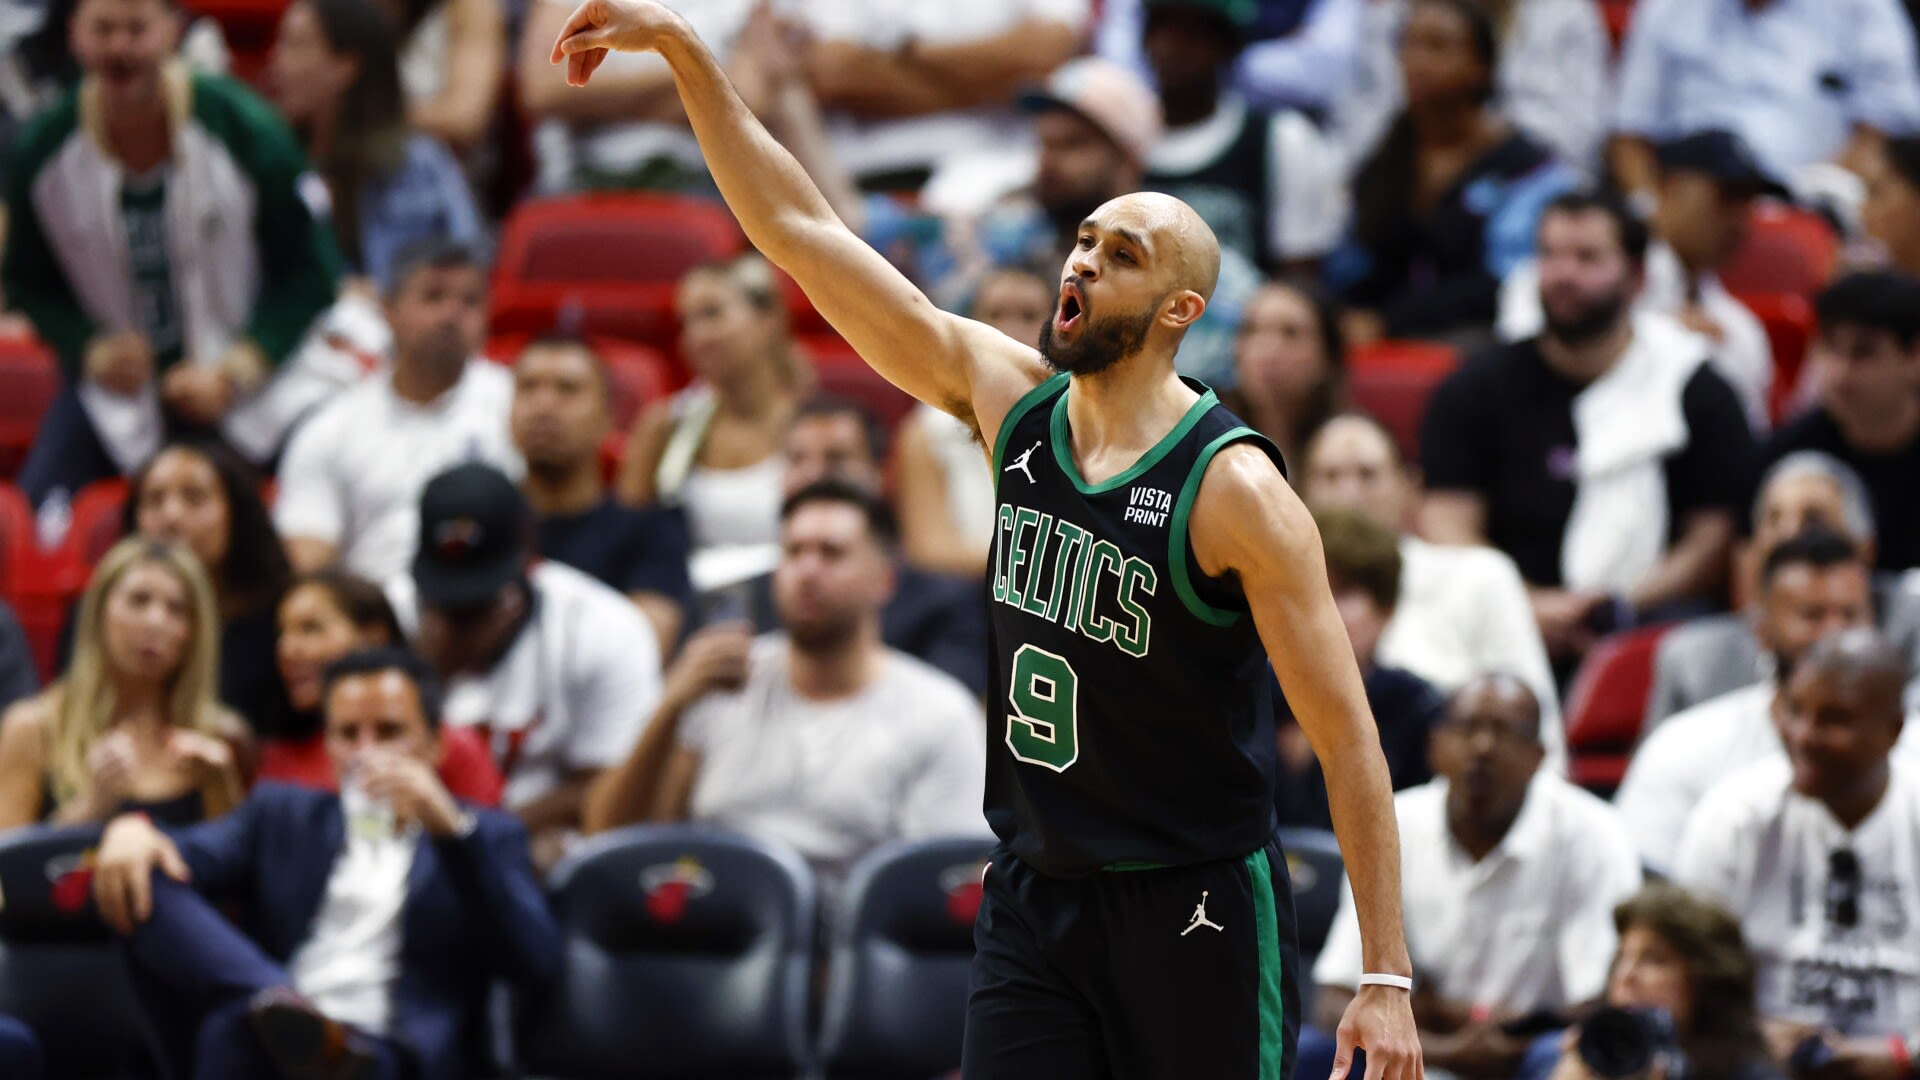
{"x":598,"y":27}
{"x":1379,"y":1020}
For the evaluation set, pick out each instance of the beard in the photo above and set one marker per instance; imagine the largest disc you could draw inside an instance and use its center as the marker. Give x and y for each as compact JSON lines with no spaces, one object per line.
{"x":1587,"y":323}
{"x":827,"y":634}
{"x":1102,"y":343}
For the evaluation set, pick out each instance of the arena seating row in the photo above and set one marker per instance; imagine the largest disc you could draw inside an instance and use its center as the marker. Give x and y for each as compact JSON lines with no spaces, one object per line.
{"x":690,"y":953}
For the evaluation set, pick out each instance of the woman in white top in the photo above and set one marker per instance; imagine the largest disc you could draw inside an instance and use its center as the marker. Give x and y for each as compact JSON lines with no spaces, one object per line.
{"x":714,"y":448}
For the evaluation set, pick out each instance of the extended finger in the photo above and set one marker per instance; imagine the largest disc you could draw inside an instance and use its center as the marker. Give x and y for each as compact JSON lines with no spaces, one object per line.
{"x":1342,"y":1052}
{"x":1377,"y":1060}
{"x":109,"y":897}
{"x":174,"y":865}
{"x":140,"y":895}
{"x":581,"y":19}
{"x":585,"y":38}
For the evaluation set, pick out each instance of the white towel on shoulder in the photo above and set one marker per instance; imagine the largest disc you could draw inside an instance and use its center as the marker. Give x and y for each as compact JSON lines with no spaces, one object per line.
{"x":1626,"y":424}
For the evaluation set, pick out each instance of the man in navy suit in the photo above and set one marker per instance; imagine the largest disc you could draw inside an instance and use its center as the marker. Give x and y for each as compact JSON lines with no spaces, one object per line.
{"x":376,"y":917}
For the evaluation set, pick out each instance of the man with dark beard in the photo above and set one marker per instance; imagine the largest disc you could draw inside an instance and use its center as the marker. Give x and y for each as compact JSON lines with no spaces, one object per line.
{"x":817,"y":735}
{"x":1603,"y":456}
{"x":1151,"y":571}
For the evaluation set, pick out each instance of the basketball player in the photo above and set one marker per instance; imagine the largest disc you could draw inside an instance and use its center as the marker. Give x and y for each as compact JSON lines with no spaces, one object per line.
{"x":1137,"y":919}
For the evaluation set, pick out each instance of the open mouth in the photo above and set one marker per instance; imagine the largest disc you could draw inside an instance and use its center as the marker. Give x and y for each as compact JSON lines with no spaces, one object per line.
{"x":1071,"y":308}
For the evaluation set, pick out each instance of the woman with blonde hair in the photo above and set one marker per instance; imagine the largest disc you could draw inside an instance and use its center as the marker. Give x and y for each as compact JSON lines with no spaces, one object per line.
{"x":133,"y":723}
{"x":714,"y":449}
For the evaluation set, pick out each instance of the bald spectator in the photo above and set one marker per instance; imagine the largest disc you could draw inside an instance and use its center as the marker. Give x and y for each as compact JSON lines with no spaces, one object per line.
{"x":1716,"y":654}
{"x":1363,"y":569}
{"x":1708,"y":183}
{"x":562,"y":412}
{"x":1807,"y":82}
{"x":1513,"y":874}
{"x":1603,"y":456}
{"x":1462,"y":611}
{"x":1812,"y":585}
{"x":1814,"y":851}
{"x":1270,"y":186}
{"x":1866,"y":364}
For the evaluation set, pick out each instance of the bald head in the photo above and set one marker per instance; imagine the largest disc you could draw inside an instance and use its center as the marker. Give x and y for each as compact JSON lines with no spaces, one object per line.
{"x":1867,"y":660}
{"x":1181,"y":244}
{"x":1497,"y":693}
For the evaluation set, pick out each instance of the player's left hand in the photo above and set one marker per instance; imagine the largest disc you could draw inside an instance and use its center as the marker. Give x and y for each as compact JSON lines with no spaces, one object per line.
{"x":1379,"y":1020}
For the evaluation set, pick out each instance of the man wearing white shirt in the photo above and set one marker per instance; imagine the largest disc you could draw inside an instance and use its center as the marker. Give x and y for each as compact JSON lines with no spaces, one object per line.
{"x":1818,"y":854}
{"x":1463,"y":611}
{"x":817,"y":735}
{"x":1708,"y":181}
{"x":351,"y":478}
{"x":1813,"y":585}
{"x":1512,"y":875}
{"x":552,"y":668}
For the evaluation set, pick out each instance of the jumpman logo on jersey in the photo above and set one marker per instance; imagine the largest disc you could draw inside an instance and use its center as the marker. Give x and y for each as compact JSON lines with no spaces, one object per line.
{"x":1021,"y":463}
{"x":1200,"y":917}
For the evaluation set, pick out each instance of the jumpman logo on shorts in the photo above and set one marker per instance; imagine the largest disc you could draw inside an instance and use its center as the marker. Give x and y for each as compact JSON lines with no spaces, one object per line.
{"x":1021,"y":463}
{"x":1200,"y":917}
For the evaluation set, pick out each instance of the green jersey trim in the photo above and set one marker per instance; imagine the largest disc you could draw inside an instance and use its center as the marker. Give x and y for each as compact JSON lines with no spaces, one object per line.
{"x":1014,"y":415}
{"x":1063,"y":445}
{"x":1177,"y":533}
{"x":1273,"y":1002}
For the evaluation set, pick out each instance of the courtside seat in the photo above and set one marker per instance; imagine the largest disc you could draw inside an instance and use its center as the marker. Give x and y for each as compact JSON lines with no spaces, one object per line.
{"x":902,"y":952}
{"x":60,"y":971}
{"x":687,"y":956}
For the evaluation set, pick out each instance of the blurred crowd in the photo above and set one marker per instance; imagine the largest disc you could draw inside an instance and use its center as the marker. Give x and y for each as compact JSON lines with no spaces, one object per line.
{"x":1589,"y":330}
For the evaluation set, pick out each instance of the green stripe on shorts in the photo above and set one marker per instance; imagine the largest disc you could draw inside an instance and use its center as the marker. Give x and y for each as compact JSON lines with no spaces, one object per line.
{"x":1266,"y":928}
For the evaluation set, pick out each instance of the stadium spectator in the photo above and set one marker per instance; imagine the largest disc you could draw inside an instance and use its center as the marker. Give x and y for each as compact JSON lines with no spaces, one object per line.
{"x":1804,"y":81}
{"x":380,"y":917}
{"x":554,"y":670}
{"x":562,"y":413}
{"x":132,"y":724}
{"x":943,"y":490}
{"x":1270,"y":186}
{"x":1290,"y":366}
{"x":1814,"y":852}
{"x":1866,"y":363}
{"x":161,"y":239}
{"x":350,"y":482}
{"x":938,"y":619}
{"x":324,"y":616}
{"x":451,"y":55}
{"x":1462,"y":610}
{"x":20,"y":1055}
{"x":202,"y":497}
{"x":1890,"y":212}
{"x":1812,"y":586}
{"x":626,"y":128}
{"x":1363,"y":568}
{"x":1685,"y":957}
{"x":1716,"y":654}
{"x":336,"y":78}
{"x":714,"y":449}
{"x":36,"y":64}
{"x":1301,"y":54}
{"x":911,"y":87}
{"x":1445,"y":205}
{"x":1095,"y":125}
{"x":1708,"y":181}
{"x":817,"y":735}
{"x":1553,"y":78}
{"x":1519,"y":872}
{"x":1604,"y":456}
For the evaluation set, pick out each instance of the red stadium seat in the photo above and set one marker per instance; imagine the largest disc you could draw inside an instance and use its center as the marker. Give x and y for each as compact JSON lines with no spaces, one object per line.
{"x":96,"y":526}
{"x":1392,"y":380}
{"x":1787,"y":251}
{"x":604,"y":263}
{"x":19,"y":550}
{"x":29,"y":379}
{"x":1788,"y":318}
{"x":1606,"y":706}
{"x":842,"y":373}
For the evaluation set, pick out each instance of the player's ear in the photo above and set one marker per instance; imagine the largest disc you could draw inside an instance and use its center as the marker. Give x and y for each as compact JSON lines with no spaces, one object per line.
{"x":1180,"y":310}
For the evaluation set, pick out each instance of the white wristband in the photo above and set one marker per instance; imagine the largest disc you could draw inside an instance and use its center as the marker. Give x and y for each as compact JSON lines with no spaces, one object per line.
{"x":1398,"y":982}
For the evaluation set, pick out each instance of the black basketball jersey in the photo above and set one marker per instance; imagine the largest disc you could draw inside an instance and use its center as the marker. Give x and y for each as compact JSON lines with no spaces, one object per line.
{"x":1131,"y":721}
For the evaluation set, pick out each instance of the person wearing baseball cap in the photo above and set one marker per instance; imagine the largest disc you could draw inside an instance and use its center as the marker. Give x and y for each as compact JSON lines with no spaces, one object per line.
{"x":1268,"y":183}
{"x":1698,"y":215}
{"x":552,"y":668}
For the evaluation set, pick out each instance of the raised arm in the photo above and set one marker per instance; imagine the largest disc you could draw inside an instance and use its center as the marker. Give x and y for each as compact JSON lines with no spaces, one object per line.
{"x":1249,"y":524}
{"x":963,"y":367}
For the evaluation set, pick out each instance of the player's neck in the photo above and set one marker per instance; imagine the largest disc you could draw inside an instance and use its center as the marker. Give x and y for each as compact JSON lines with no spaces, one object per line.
{"x":839,"y":671}
{"x":1130,"y":406}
